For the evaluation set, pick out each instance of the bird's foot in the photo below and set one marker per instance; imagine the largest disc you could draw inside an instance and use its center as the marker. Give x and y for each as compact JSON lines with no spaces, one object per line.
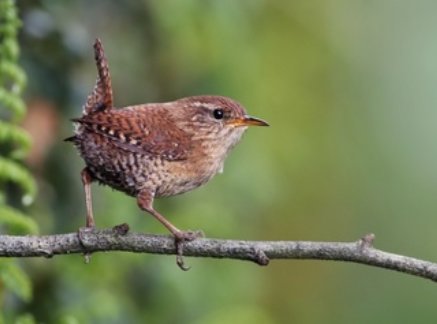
{"x":187,"y":236}
{"x":84,"y":231}
{"x":181,"y":238}
{"x":81,"y":233}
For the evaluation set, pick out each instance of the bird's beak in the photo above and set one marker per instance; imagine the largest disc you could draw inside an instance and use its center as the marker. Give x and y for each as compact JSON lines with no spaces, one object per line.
{"x":248,"y":121}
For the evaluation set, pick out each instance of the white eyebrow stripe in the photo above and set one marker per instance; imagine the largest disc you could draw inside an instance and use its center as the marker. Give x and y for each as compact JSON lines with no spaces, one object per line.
{"x":202,"y":104}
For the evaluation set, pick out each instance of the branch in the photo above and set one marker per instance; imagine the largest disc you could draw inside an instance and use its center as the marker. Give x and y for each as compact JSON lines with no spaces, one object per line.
{"x":260,"y":252}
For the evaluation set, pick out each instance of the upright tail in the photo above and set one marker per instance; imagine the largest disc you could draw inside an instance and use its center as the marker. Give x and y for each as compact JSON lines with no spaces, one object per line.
{"x":101,"y":97}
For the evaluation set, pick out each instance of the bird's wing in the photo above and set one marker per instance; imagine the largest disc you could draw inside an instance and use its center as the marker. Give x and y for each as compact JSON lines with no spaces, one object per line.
{"x":101,"y":97}
{"x":137,"y":132}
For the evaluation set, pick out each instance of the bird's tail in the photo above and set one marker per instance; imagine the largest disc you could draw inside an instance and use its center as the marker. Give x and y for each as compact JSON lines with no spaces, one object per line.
{"x":101,"y":97}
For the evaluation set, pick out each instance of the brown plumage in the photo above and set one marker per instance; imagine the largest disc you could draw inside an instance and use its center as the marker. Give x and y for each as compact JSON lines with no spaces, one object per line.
{"x":157,"y":149}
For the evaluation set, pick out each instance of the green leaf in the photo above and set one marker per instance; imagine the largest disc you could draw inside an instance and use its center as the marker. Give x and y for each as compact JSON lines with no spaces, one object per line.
{"x":15,"y":280}
{"x":16,"y":222}
{"x":14,"y":74}
{"x":14,"y":172}
{"x":13,"y":103}
{"x":16,"y":135}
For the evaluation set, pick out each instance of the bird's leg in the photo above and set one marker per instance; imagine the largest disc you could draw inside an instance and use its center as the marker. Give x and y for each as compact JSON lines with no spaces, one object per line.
{"x":145,"y":202}
{"x":89,"y":225}
{"x":86,"y":181}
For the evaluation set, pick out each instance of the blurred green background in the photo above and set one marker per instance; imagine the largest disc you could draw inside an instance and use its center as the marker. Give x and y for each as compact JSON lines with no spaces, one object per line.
{"x":348,"y":88}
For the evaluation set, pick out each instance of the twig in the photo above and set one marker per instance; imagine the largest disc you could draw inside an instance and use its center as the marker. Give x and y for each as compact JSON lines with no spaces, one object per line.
{"x":260,"y":252}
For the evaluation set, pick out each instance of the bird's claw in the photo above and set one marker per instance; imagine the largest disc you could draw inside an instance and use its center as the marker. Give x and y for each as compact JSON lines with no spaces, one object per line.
{"x":188,"y":236}
{"x":81,"y":233}
{"x":180,"y":239}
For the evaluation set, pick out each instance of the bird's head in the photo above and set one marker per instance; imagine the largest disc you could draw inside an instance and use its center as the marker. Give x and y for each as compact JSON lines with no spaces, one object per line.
{"x":216,"y":119}
{"x":216,"y":122}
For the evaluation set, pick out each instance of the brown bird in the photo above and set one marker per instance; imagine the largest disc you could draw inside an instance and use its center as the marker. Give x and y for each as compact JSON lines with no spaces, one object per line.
{"x":156,"y":149}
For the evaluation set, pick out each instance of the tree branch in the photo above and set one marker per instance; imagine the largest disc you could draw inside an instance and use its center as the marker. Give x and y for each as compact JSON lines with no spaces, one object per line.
{"x":260,"y":252}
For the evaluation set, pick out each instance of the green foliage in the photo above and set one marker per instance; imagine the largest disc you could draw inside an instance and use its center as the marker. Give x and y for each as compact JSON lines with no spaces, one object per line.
{"x":14,"y":135}
{"x":14,"y":104}
{"x":15,"y":279}
{"x":16,"y":222}
{"x":13,"y":140}
{"x":11,"y":171}
{"x":14,"y":144}
{"x":12,"y":80}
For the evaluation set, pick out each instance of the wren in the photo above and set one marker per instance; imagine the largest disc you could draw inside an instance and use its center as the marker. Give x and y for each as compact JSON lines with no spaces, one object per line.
{"x":156,"y":149}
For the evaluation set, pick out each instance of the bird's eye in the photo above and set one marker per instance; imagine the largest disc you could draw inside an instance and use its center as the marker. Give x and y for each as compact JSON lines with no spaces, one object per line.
{"x":218,"y":113}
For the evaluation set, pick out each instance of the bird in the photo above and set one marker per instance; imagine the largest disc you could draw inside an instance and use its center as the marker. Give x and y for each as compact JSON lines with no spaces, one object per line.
{"x":154,"y":150}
